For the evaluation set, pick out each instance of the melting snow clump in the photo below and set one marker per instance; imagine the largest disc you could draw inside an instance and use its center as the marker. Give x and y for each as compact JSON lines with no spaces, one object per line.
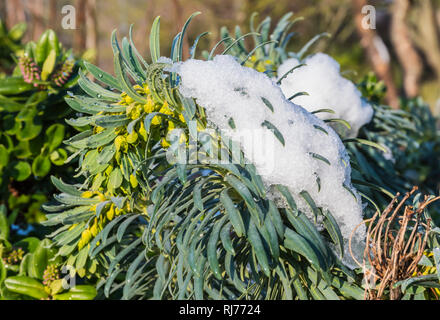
{"x":312,"y":158}
{"x":327,"y":89}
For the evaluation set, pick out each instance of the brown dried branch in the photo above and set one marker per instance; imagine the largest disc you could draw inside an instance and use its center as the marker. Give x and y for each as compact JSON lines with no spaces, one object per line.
{"x":395,"y":243}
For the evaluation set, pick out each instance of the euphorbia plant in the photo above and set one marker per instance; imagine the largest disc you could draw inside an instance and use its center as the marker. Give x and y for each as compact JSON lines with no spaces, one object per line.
{"x":152,"y":228}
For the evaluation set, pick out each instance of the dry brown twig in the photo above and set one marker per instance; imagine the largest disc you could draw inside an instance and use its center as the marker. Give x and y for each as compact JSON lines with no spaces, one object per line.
{"x":395,"y":243}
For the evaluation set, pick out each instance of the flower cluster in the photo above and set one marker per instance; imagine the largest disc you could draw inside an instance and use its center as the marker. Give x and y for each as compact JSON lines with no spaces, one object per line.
{"x":106,"y":214}
{"x":14,"y":257}
{"x":136,"y":110}
{"x":29,"y":69}
{"x":261,"y":65}
{"x":51,"y":273}
{"x":63,"y":73}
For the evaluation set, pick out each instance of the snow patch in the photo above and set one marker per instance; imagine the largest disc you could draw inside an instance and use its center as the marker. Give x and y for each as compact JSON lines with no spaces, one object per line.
{"x":327,"y":89}
{"x":228,"y":90}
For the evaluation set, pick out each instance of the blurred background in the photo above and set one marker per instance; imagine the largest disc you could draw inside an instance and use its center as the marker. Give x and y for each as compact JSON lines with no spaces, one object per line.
{"x":403,"y":50}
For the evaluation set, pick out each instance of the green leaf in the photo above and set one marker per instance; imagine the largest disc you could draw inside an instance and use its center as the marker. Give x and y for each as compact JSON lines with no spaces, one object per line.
{"x":301,"y":245}
{"x":366,"y":142}
{"x":288,"y":72}
{"x":78,"y":292}
{"x":68,"y":199}
{"x":23,"y":150}
{"x":17,"y":31}
{"x":197,"y":196}
{"x":436,"y":252}
{"x":323,"y":110}
{"x":340,"y":121}
{"x":212,"y":249}
{"x":268,"y":104}
{"x":4,"y":225}
{"x":26,"y":286}
{"x":54,"y":136}
{"x":89,"y":105}
{"x":4,"y":156}
{"x":225,"y":236}
{"x":124,"y":225}
{"x":21,"y":170}
{"x":335,"y":233}
{"x":319,"y":157}
{"x":64,"y":187}
{"x":39,"y":259}
{"x":182,"y":34}
{"x":42,"y":49}
{"x":192,"y":51}
{"x":286,"y":194}
{"x":429,"y":281}
{"x":309,"y":200}
{"x":29,"y":244}
{"x":257,"y":245}
{"x":10,"y":126}
{"x":112,"y":121}
{"x":96,"y":91}
{"x":82,"y":258}
{"x":155,"y":40}
{"x":54,"y":43}
{"x":92,"y":141}
{"x":246,"y":195}
{"x":275,"y":131}
{"x":27,"y":113}
{"x":3,"y":272}
{"x":58,"y":157}
{"x":115,"y":179}
{"x":41,"y":166}
{"x":48,"y":65}
{"x":307,"y":46}
{"x":233,"y":213}
{"x":298,"y":94}
{"x":30,"y":129}
{"x":123,"y":79}
{"x":13,"y":86}
{"x":102,"y":76}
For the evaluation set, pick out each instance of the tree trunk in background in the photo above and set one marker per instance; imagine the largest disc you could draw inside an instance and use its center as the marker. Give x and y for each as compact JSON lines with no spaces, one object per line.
{"x":14,"y":12}
{"x":79,"y":39}
{"x":240,"y":11}
{"x":426,"y":34}
{"x":92,"y":29}
{"x":53,"y":15}
{"x":377,"y":53}
{"x":37,"y":23}
{"x":407,"y":55}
